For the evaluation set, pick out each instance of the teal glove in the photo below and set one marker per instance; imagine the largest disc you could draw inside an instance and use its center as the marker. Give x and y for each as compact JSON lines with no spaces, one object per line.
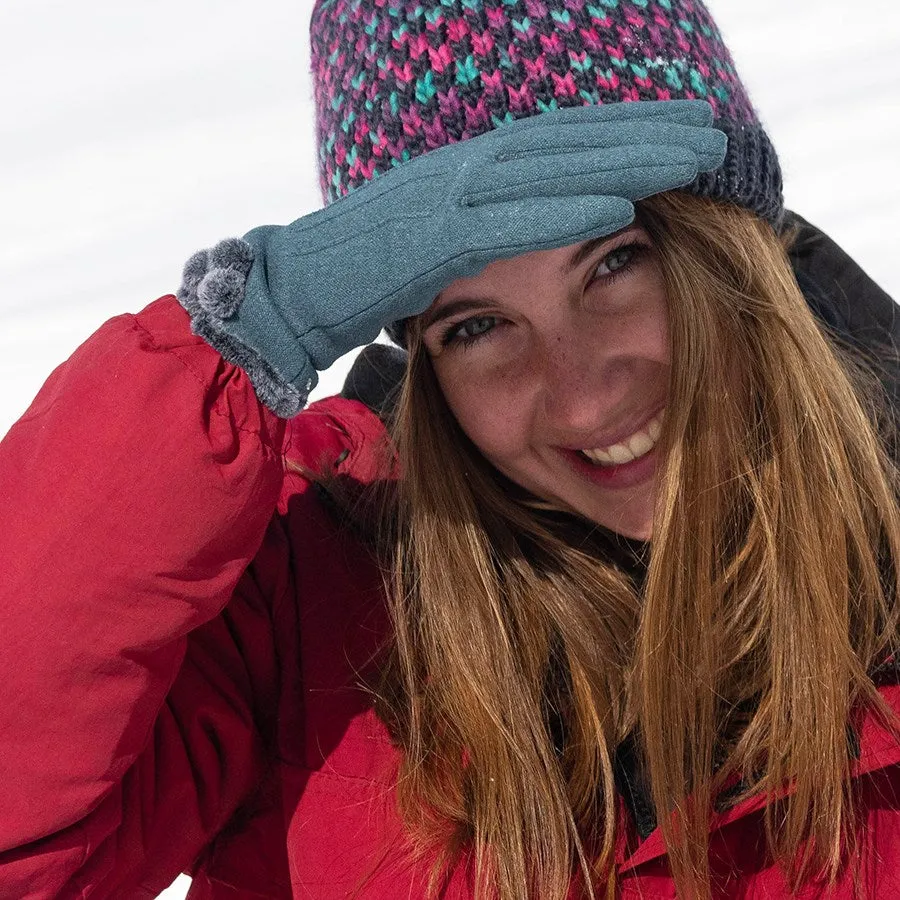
{"x":287,"y":301}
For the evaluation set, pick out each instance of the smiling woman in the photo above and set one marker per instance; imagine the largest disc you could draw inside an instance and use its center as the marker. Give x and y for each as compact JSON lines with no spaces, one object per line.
{"x":588,"y":588}
{"x":769,"y":459}
{"x":569,"y":361}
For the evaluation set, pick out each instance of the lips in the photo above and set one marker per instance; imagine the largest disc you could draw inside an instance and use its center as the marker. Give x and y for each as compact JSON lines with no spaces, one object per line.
{"x":627,"y":475}
{"x":624,"y":432}
{"x":634,"y":447}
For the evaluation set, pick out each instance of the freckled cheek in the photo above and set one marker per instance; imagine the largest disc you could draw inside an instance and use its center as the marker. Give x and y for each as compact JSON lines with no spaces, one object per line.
{"x":494,"y":416}
{"x":654,"y":336}
{"x":658,"y":315}
{"x":642,"y":331}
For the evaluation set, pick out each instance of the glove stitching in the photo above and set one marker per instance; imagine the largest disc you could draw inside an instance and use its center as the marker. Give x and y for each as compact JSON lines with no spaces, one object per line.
{"x":551,"y":178}
{"x":360,"y":205}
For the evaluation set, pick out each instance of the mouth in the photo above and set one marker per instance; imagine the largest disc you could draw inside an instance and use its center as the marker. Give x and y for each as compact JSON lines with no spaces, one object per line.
{"x":625,"y":464}
{"x":635,"y":446}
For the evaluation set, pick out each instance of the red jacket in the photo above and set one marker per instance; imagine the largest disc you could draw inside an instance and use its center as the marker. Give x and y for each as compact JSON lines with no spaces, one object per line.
{"x":184,"y":626}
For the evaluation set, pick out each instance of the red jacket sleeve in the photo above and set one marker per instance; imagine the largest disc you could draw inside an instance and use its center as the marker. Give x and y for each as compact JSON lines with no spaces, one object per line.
{"x":137,"y":673}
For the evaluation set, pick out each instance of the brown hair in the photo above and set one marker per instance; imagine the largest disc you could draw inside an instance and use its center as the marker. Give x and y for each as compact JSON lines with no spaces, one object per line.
{"x":775,"y":554}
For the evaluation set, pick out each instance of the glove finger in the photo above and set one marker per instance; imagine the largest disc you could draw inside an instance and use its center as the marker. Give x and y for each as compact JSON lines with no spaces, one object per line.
{"x":506,"y":229}
{"x":698,"y":113}
{"x":632,"y":173}
{"x":709,"y":144}
{"x":541,"y":129}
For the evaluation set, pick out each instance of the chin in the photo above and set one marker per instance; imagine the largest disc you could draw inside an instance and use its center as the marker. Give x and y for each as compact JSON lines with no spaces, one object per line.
{"x":629,"y":528}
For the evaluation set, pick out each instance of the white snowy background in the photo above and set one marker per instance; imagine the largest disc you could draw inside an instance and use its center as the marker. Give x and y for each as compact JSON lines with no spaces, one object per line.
{"x":135,"y":133}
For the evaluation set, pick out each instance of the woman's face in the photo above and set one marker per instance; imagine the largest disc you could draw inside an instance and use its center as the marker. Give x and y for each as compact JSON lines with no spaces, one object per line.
{"x":557,"y":352}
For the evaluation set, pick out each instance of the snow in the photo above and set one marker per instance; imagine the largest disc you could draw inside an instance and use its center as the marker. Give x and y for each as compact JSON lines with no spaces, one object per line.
{"x":134,"y":134}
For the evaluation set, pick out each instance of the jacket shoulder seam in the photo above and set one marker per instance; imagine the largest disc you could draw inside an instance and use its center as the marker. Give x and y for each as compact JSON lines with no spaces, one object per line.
{"x":201,"y":381}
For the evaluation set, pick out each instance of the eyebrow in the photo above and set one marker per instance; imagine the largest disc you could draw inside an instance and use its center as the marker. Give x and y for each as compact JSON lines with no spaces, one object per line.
{"x":582,"y":252}
{"x":587,"y":249}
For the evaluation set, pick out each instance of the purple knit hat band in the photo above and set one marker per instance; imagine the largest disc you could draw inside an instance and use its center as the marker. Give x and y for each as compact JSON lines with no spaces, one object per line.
{"x":396,"y":78}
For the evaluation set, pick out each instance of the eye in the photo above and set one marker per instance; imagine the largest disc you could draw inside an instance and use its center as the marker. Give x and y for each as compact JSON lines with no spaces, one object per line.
{"x":618,"y":262}
{"x":468,"y":331}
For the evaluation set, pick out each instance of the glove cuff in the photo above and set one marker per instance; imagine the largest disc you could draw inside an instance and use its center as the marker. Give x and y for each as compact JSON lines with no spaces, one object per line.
{"x":212,"y":289}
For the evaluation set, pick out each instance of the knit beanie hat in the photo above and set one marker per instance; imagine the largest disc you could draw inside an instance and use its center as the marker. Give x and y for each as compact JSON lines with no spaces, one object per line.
{"x":396,"y":78}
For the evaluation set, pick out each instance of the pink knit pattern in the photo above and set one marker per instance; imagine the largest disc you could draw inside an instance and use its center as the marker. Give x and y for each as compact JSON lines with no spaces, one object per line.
{"x":396,"y":78}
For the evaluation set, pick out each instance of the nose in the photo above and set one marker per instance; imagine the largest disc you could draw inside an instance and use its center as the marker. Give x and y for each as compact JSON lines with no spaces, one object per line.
{"x":583,"y":379}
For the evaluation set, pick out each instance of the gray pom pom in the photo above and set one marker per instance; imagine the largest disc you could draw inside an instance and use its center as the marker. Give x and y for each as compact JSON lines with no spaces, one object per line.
{"x":221,"y":291}
{"x":192,"y":274}
{"x":232,"y":253}
{"x":213,"y":280}
{"x":194,"y":270}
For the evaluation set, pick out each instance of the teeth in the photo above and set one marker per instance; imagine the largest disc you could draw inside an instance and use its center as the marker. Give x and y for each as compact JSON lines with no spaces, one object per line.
{"x":619,"y":453}
{"x":639,"y":444}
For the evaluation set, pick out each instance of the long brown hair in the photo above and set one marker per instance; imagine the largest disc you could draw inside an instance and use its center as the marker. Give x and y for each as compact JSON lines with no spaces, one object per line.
{"x":522,"y":655}
{"x":771,"y":594}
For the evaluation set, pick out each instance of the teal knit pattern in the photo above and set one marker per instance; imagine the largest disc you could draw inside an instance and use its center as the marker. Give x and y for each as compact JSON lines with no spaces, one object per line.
{"x":396,"y":78}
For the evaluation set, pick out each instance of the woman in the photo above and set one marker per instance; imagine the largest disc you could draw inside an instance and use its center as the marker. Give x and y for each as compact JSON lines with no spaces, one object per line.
{"x":597,"y":597}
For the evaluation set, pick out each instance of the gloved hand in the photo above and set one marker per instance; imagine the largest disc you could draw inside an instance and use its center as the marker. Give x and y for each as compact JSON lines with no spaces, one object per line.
{"x":287,"y":301}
